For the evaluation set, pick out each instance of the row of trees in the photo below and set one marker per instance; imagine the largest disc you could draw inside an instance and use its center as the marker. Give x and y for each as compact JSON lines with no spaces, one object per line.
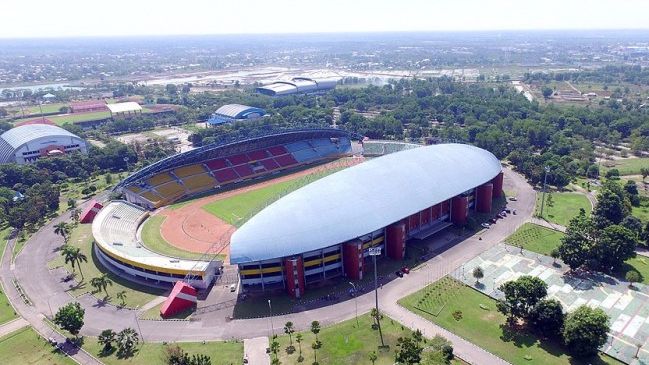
{"x":582,"y":331}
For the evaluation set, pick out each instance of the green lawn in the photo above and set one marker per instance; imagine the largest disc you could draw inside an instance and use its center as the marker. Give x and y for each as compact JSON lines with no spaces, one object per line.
{"x":346,"y":344}
{"x":628,"y":166}
{"x":25,"y":346}
{"x":641,"y":212}
{"x":153,"y":240}
{"x":136,"y":295}
{"x":7,"y":312}
{"x":485,"y":327}
{"x":221,"y":353}
{"x":237,"y":209}
{"x":535,"y":238}
{"x":564,"y":206}
{"x":35,"y":109}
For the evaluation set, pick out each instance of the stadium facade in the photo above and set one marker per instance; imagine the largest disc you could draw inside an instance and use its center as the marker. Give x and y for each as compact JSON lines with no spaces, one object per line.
{"x":298,"y":85}
{"x":28,"y":143}
{"x":326,"y":228}
{"x":235,"y":113}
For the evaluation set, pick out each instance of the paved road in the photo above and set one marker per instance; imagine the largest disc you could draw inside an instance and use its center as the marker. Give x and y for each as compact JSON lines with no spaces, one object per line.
{"x":254,"y":350}
{"x":47,"y":292}
{"x":12,"y":326}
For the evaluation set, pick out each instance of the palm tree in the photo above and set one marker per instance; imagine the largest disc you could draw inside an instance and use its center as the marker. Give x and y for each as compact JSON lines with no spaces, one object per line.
{"x":274,"y":346}
{"x":372,"y":357}
{"x":127,"y":339}
{"x":62,"y":229}
{"x":315,"y":346}
{"x":106,"y":338}
{"x":75,"y":214}
{"x":121,"y":295}
{"x":289,"y":330}
{"x":74,"y":256}
{"x":101,"y":282}
{"x":315,"y":329}
{"x":298,"y":339}
{"x":478,"y":274}
{"x":374,"y":313}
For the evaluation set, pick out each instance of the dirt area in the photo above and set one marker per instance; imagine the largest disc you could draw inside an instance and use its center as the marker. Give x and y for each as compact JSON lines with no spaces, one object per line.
{"x":179,"y":135}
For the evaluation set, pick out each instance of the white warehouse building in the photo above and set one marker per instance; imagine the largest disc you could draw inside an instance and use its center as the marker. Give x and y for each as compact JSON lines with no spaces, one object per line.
{"x":28,"y":143}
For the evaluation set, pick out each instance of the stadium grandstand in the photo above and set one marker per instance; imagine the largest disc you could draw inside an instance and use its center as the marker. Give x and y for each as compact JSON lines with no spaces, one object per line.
{"x":124,"y":109}
{"x":380,"y":148}
{"x":297,"y":85}
{"x":118,"y":248}
{"x":227,"y":162}
{"x":88,"y":106}
{"x":325,"y":229}
{"x":235,"y":113}
{"x":28,"y":143}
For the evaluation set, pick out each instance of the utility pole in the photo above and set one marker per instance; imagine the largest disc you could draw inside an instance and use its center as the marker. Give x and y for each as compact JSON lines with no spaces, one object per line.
{"x":376,"y":251}
{"x":272,"y":328}
{"x":545,"y":181}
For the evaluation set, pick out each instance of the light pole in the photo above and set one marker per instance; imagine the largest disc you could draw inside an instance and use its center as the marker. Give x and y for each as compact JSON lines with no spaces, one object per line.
{"x":355,"y":301}
{"x":270,"y":310}
{"x":375,"y":251}
{"x":545,"y":181}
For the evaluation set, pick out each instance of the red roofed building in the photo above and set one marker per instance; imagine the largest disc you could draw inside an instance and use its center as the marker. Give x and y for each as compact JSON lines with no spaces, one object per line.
{"x":88,"y":106}
{"x":182,"y":297}
{"x":90,"y":212}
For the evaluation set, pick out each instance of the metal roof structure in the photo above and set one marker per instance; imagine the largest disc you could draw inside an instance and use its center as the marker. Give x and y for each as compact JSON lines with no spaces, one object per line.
{"x":238,"y":111}
{"x":297,"y":85}
{"x":17,"y":137}
{"x":129,"y":106}
{"x":361,"y":199}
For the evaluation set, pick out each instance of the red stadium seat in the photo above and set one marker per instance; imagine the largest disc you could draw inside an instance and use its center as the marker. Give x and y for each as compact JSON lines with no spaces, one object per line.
{"x":269,"y":164}
{"x":277,"y":150}
{"x":285,"y":160}
{"x":225,"y":175}
{"x":216,"y":164}
{"x":238,"y":159}
{"x":257,"y":155}
{"x":243,"y":170}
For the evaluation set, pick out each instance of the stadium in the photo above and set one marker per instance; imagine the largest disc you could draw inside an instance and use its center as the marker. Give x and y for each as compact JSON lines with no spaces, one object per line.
{"x":235,"y":113}
{"x":304,"y":237}
{"x":27,"y":143}
{"x":297,"y":85}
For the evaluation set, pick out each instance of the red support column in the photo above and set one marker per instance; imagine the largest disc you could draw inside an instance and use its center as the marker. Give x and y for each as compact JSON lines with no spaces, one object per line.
{"x":294,"y":276}
{"x":484,"y":195}
{"x":459,"y":210}
{"x":498,"y":185}
{"x":396,"y":241}
{"x":353,"y":260}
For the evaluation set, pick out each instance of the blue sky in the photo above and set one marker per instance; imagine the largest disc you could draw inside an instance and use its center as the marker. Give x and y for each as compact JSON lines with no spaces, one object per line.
{"x":61,"y":18}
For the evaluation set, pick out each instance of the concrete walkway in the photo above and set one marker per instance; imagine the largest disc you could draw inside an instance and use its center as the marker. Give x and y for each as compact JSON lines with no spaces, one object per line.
{"x":12,"y":326}
{"x":254,"y":350}
{"x":152,"y":303}
{"x":546,"y":224}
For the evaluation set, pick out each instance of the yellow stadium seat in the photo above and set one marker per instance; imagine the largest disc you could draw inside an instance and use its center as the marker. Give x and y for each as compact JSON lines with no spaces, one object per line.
{"x":189,"y":170}
{"x":152,"y":197}
{"x":170,"y":190}
{"x":199,"y":182}
{"x":159,"y":179}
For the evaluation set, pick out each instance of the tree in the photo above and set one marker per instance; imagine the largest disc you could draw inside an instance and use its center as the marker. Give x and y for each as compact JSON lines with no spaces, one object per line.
{"x":521,"y":295}
{"x":127,"y":340}
{"x":121,"y":295}
{"x":439,"y":351}
{"x":73,"y":256}
{"x":408,"y":351}
{"x":298,"y":339}
{"x":575,"y":244}
{"x":72,"y":203}
{"x":372,"y":357}
{"x":62,"y":229}
{"x":315,"y":346}
{"x":585,"y":330}
{"x":555,"y":254}
{"x":315,"y":329}
{"x":75,"y":214}
{"x":547,"y":92}
{"x":274,"y":346}
{"x":106,"y":338}
{"x":376,"y":315}
{"x":613,"y":246}
{"x":610,"y":208}
{"x":631,"y":191}
{"x":101,"y":283}
{"x":632,"y":276}
{"x":174,"y":355}
{"x":547,"y":317}
{"x":478,"y":274}
{"x":644,"y":172}
{"x":633,"y":224}
{"x":70,"y":317}
{"x":289,"y":330}
{"x":612,"y":174}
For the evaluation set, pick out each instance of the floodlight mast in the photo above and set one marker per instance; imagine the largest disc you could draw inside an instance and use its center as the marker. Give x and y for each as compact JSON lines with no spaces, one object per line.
{"x":376,"y":251}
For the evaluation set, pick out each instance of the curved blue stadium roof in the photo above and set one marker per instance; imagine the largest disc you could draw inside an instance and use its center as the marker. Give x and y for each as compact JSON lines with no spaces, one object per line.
{"x":238,"y":111}
{"x":361,"y":199}
{"x":16,"y":137}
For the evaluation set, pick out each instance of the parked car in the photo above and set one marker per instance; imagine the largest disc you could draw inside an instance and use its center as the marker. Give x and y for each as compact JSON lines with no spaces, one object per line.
{"x":514,"y":212}
{"x":485,"y":225}
{"x":233,"y":287}
{"x":513,"y":198}
{"x":508,"y":211}
{"x":405,"y":270}
{"x":493,"y":220}
{"x":399,"y":274}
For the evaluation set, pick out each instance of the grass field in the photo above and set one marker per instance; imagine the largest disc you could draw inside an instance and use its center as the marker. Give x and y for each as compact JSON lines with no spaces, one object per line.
{"x":7,"y":312}
{"x":154,"y":241}
{"x":221,"y":353}
{"x":25,"y":346}
{"x":35,"y":109}
{"x":237,"y":209}
{"x":641,"y":212}
{"x":346,"y":344}
{"x":136,"y":295}
{"x":628,"y":166}
{"x":535,"y":238}
{"x":564,"y":206}
{"x":483,"y":325}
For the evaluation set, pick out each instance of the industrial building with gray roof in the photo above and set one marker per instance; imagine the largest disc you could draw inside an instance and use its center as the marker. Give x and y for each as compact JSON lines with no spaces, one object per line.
{"x":327,"y":227}
{"x":297,"y":85}
{"x":28,"y":143}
